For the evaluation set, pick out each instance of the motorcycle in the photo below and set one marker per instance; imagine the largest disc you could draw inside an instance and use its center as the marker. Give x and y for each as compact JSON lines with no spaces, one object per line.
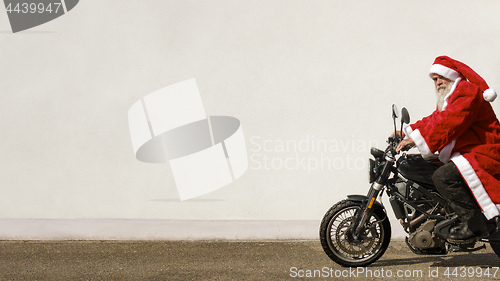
{"x":356,"y":231}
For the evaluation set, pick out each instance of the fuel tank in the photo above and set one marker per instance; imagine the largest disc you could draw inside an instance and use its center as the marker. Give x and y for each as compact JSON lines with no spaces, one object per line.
{"x":418,"y":169}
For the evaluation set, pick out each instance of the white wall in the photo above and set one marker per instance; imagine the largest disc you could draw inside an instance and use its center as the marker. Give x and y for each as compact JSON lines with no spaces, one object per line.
{"x":296,"y":72}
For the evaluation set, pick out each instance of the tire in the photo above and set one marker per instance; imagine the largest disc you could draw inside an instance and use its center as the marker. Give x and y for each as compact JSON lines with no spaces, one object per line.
{"x":495,"y":242}
{"x":335,"y":239}
{"x":496,"y":247}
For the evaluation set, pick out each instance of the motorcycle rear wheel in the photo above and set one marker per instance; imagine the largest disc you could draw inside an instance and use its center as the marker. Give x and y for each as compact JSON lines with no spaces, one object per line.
{"x":495,"y":242}
{"x":338,"y":243}
{"x":496,"y":247}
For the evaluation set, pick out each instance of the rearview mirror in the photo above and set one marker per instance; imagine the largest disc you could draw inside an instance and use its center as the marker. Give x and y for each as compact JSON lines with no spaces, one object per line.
{"x":395,"y":111}
{"x":405,"y":116}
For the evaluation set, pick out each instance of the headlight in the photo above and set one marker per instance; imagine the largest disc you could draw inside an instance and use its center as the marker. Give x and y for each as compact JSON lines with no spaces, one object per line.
{"x":372,"y":171}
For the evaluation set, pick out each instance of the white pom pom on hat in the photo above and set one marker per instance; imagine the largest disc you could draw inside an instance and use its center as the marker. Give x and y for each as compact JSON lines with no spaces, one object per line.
{"x":490,"y":95}
{"x":452,"y":69}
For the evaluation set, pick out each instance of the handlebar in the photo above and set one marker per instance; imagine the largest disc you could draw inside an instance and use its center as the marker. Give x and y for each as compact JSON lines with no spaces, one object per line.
{"x":407,"y":147}
{"x":394,"y":141}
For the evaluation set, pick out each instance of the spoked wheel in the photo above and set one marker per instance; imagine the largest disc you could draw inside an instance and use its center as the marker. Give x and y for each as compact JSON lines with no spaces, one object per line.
{"x":337,"y":238}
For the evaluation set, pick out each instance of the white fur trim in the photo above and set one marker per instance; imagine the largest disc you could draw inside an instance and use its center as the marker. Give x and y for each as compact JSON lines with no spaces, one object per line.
{"x":445,"y":153}
{"x":407,"y":130}
{"x":444,"y":71}
{"x":490,"y":210}
{"x":489,"y":95}
{"x":420,"y":143}
{"x":447,"y":97}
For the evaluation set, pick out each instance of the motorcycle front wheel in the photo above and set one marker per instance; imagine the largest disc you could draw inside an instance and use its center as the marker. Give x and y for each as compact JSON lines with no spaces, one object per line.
{"x":337,"y":239}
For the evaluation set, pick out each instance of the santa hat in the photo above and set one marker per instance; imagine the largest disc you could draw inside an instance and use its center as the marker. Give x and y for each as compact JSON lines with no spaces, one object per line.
{"x":452,"y":69}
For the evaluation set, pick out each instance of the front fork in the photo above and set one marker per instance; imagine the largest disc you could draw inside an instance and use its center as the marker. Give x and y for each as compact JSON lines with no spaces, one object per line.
{"x":373,"y":193}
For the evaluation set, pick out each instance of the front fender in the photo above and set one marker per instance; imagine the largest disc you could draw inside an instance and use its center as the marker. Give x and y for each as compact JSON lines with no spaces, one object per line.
{"x":363,"y":199}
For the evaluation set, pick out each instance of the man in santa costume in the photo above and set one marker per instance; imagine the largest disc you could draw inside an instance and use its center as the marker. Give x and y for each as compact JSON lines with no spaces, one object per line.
{"x":465,"y":132}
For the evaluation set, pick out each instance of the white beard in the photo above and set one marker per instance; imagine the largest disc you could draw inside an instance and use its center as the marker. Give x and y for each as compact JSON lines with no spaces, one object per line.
{"x":441,"y":93}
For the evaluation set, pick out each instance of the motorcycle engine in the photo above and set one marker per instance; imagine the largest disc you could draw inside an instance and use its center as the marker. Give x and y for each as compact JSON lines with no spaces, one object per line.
{"x":424,"y":238}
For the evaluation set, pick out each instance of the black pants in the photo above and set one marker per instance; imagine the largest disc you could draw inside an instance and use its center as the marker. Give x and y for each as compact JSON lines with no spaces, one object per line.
{"x":451,"y":185}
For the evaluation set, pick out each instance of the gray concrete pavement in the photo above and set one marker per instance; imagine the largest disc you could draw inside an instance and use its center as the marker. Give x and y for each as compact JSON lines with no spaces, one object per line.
{"x":225,"y":260}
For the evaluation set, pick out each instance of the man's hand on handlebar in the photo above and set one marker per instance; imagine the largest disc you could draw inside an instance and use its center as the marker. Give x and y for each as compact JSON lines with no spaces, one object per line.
{"x":405,"y":144}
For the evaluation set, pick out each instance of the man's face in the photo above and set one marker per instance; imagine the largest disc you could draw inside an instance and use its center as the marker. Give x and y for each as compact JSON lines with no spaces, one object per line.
{"x":443,"y":87}
{"x":440,"y":81}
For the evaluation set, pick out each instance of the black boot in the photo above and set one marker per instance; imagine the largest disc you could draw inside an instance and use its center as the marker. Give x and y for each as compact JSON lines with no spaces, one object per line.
{"x":461,"y":234}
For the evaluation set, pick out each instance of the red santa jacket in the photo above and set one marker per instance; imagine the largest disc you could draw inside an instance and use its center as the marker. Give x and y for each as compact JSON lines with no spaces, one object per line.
{"x":466,"y":132}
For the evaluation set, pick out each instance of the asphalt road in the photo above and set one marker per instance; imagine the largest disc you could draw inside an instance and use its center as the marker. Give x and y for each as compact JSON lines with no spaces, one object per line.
{"x":224,"y":260}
